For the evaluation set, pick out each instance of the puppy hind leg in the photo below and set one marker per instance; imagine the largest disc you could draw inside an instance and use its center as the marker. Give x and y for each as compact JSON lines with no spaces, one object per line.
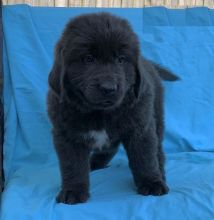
{"x":161,"y":159}
{"x":161,"y":156}
{"x":100,"y":160}
{"x":159,"y":115}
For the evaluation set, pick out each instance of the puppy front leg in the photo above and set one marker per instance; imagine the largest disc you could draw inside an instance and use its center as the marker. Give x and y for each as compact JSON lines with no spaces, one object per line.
{"x":142,"y":150}
{"x":73,"y":157}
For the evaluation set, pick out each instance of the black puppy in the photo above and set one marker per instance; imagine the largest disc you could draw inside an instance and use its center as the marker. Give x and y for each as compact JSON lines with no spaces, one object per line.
{"x":102,"y":93}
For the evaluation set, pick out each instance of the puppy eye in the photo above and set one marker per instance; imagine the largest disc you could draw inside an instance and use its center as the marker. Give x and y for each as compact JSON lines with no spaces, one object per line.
{"x":121,"y":59}
{"x":89,"y":59}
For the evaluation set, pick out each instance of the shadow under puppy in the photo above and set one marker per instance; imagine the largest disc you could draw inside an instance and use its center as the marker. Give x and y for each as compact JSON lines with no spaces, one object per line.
{"x":103,"y":93}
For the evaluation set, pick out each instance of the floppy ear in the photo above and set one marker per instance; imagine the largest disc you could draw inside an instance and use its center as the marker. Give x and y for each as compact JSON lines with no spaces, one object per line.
{"x":138,"y":79}
{"x":57,"y":73}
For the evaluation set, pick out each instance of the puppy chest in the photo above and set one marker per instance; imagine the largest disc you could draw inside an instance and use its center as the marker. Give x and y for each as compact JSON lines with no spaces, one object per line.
{"x":98,"y":139}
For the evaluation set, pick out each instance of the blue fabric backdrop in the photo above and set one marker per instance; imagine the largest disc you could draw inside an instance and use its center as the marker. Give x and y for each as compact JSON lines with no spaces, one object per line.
{"x":182,"y":40}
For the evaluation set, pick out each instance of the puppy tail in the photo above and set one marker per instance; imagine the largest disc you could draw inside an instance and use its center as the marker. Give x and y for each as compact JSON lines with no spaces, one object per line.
{"x":165,"y":74}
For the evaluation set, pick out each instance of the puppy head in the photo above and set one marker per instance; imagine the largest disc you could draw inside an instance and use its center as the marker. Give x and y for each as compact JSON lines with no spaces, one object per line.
{"x":97,"y":62}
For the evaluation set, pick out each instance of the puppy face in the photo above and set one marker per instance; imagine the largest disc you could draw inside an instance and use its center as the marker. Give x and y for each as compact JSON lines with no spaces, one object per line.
{"x":97,"y":57}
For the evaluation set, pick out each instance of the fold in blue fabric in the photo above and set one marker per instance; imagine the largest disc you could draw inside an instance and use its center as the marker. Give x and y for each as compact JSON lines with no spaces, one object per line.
{"x":181,"y":40}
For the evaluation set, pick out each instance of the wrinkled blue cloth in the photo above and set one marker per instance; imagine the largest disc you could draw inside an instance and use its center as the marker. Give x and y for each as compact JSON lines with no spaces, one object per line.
{"x":183,"y":41}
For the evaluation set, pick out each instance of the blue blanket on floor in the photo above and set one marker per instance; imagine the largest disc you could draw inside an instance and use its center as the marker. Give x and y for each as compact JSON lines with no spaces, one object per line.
{"x":183,"y":41}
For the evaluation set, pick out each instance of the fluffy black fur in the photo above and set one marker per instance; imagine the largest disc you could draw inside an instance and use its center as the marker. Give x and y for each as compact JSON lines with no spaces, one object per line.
{"x":100,"y":82}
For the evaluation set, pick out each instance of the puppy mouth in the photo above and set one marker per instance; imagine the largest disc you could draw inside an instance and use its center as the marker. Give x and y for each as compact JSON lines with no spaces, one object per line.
{"x":100,"y":104}
{"x":104,"y":104}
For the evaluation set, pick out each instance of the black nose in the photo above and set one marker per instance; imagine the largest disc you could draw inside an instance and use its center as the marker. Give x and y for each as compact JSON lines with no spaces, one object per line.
{"x":108,"y":88}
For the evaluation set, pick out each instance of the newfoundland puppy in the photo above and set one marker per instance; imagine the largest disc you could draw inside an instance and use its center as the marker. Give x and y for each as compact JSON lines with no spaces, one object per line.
{"x":102,"y":92}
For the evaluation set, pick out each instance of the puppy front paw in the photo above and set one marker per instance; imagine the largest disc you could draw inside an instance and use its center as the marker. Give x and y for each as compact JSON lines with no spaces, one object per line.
{"x":72,"y":197}
{"x":156,"y":188}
